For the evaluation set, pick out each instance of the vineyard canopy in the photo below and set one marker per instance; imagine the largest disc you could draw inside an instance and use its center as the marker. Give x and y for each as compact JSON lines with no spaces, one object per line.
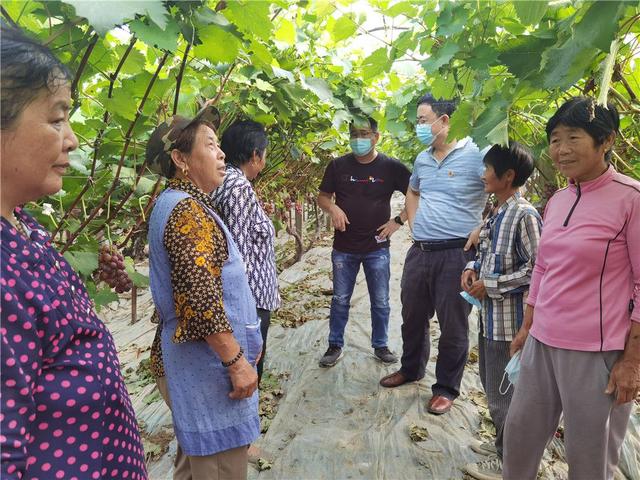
{"x":305,"y":69}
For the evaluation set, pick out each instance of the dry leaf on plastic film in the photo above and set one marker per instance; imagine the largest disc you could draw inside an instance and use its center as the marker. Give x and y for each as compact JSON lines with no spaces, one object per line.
{"x":473,"y":355}
{"x":418,"y":433}
{"x":263,"y":465}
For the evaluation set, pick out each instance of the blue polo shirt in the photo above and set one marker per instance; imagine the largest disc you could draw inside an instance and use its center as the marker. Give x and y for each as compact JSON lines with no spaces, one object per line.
{"x":451,"y":192}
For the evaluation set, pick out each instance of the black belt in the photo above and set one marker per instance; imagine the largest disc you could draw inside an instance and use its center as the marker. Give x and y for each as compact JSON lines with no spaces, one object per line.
{"x":435,"y":245}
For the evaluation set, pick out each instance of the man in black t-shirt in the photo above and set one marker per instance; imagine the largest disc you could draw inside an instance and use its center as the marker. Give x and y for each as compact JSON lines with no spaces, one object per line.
{"x":362,"y":182}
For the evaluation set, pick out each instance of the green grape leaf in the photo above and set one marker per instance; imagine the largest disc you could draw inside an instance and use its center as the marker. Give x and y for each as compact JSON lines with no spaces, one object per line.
{"x":530,"y":12}
{"x":405,"y":8}
{"x":251,"y":17}
{"x":135,"y":62}
{"x":264,"y":86}
{"x":404,"y":42}
{"x":375,"y":64}
{"x":261,"y":54}
{"x":281,"y":73}
{"x":482,"y":56}
{"x":443,"y":86}
{"x":103,"y":16}
{"x":499,"y":134}
{"x":340,"y":118}
{"x":565,"y":65}
{"x":441,"y":56}
{"x":286,"y":32}
{"x":218,"y":45}
{"x":103,"y":297}
{"x":452,"y":19}
{"x":461,"y":120}
{"x":151,"y":34}
{"x":523,"y":55}
{"x":319,"y":87}
{"x":121,"y":104}
{"x":136,"y":277}
{"x":599,"y":25}
{"x":85,"y":263}
{"x":490,"y":126}
{"x":324,"y":8}
{"x":266,"y":119}
{"x":395,"y":128}
{"x":343,"y":28}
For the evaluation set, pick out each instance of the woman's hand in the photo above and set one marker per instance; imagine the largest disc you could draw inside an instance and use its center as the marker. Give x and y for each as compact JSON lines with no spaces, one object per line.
{"x":466,"y":280}
{"x":244,"y":379}
{"x":518,"y":341}
{"x":624,"y":381}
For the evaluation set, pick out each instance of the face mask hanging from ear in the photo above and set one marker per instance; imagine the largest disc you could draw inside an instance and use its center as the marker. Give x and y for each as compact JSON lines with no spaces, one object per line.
{"x":424,"y":132}
{"x":511,"y":371}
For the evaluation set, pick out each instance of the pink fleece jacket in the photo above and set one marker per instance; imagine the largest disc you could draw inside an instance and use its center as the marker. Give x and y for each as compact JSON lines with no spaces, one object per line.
{"x":587,"y":273}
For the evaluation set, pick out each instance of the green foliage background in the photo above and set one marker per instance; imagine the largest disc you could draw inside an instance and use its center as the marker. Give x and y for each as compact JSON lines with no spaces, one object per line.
{"x":288,"y":64}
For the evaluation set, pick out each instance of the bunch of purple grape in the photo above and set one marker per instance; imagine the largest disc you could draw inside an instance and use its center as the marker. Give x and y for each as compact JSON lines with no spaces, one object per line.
{"x":112,"y":271}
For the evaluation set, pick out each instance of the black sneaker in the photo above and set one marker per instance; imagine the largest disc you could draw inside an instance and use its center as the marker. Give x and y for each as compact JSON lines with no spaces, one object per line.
{"x":385,"y":355}
{"x":331,"y":356}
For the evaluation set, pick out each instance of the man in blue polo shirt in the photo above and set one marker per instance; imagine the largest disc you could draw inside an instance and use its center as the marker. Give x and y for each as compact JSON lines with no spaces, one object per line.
{"x":444,"y":205}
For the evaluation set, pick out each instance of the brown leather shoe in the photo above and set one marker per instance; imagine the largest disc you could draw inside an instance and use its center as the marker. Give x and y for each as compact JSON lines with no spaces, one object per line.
{"x":439,"y":405}
{"x":394,"y":380}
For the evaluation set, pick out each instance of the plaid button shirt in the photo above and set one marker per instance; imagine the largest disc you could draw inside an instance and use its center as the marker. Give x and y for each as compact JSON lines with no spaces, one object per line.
{"x":253,"y":233}
{"x":506,"y":255}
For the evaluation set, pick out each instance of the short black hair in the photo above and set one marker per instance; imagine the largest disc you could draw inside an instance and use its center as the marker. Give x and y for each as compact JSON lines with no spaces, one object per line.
{"x":514,"y":157}
{"x":373,"y":124}
{"x":242,"y":139}
{"x":584,"y":112}
{"x":440,"y":106}
{"x":27,"y":68}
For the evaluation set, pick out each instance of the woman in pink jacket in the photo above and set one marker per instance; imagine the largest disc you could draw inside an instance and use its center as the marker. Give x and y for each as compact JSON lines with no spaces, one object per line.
{"x":580,"y":338}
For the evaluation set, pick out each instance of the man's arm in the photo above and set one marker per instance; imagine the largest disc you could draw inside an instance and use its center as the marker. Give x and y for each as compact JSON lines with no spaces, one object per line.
{"x":338,"y":217}
{"x":412,"y":198}
{"x":391,"y":226}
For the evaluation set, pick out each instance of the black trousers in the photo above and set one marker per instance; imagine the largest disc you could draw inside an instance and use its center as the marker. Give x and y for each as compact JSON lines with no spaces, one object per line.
{"x":431,"y":284}
{"x":265,"y":321}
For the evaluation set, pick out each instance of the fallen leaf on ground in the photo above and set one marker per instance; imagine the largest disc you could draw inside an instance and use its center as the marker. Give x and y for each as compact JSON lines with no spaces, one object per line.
{"x":417,"y":433}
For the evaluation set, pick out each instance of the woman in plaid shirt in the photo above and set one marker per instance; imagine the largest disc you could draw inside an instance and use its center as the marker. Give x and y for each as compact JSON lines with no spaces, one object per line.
{"x":500,"y":278}
{"x":245,"y":145}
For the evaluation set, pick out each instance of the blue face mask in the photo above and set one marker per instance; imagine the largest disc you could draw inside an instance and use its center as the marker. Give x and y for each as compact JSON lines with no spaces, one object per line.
{"x":361,"y":146}
{"x":511,"y":371}
{"x":471,"y":299}
{"x":424,"y":133}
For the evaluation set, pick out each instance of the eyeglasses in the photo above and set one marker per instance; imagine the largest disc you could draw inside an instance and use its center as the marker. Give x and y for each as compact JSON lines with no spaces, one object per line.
{"x":360,"y":133}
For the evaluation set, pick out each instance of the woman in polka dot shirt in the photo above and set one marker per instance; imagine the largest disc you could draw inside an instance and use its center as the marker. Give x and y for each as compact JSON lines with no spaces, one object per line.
{"x":64,"y":408}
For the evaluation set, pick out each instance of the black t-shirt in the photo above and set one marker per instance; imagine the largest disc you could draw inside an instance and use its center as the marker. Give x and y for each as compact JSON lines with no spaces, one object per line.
{"x":363,"y":192}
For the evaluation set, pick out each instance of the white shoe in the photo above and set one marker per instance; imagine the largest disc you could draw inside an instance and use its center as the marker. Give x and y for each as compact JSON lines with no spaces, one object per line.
{"x":490,"y":469}
{"x":484,"y":448}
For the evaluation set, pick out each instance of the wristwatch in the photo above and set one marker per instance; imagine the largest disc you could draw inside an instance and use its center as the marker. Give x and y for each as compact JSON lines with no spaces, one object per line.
{"x":398,"y":220}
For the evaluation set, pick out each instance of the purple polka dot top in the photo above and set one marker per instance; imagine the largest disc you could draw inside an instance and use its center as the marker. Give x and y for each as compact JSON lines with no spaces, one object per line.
{"x":65,"y":411}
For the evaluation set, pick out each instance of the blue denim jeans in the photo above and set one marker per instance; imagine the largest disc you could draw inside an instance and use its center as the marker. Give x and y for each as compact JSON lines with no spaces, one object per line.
{"x":345,"y":270}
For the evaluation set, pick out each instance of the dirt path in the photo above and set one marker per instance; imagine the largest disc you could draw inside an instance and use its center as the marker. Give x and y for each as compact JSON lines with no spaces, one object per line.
{"x":338,"y":423}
